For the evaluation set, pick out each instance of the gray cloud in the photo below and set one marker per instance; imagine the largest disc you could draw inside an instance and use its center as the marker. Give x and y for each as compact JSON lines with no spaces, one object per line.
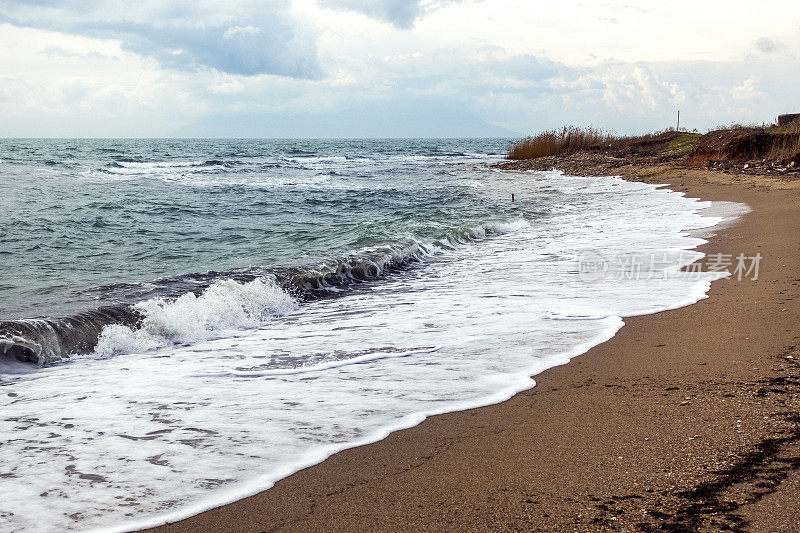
{"x":244,"y":37}
{"x":766,"y":45}
{"x":399,"y":13}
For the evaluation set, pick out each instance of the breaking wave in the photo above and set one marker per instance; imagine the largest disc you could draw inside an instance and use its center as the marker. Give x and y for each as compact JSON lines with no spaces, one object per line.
{"x":198,"y":307}
{"x":226,"y":305}
{"x":46,"y":340}
{"x":127,"y":166}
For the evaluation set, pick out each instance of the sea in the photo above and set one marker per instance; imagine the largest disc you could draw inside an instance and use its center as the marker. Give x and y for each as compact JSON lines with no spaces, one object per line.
{"x":184,"y":322}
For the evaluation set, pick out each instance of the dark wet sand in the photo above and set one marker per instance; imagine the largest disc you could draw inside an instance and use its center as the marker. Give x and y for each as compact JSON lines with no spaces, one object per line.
{"x":685,"y":420}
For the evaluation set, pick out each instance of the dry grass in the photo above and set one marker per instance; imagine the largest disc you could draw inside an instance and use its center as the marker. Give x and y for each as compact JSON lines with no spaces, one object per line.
{"x":736,"y":143}
{"x":571,"y":138}
{"x":682,"y":144}
{"x":785,"y":141}
{"x":749,"y":143}
{"x":556,"y":142}
{"x":667,"y":141}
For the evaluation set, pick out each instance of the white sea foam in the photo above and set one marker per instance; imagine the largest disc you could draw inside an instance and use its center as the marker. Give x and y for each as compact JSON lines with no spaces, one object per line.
{"x":160,"y":168}
{"x":258,"y":388}
{"x":228,"y":306}
{"x":225,"y":307}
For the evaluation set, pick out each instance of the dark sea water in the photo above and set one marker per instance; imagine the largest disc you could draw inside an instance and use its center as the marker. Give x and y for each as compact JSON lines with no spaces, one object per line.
{"x":183,"y":322}
{"x":81,"y":217}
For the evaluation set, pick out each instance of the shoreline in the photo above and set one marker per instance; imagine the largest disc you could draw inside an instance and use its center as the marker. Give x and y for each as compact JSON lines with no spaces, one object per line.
{"x":585,"y":422}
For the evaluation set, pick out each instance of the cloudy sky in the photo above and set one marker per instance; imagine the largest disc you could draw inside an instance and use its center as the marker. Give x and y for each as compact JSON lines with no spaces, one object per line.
{"x":149,"y":68}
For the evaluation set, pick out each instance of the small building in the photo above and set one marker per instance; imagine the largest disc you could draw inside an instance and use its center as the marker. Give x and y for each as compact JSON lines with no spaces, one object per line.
{"x":785,"y":120}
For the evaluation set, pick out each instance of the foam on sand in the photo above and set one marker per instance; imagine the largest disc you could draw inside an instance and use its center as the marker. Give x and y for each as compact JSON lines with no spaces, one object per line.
{"x":219,"y":395}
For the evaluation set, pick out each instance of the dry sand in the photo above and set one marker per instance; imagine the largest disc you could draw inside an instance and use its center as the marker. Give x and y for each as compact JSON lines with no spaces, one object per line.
{"x":685,"y":420}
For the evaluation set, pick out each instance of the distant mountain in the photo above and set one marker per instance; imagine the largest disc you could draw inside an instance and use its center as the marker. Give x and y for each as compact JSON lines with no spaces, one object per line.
{"x":363,"y":122}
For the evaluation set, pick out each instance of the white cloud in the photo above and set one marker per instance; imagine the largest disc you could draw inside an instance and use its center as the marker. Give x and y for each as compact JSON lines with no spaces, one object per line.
{"x":147,"y":66}
{"x":639,"y":91}
{"x":747,"y":90}
{"x":226,"y":84}
{"x":240,"y":31}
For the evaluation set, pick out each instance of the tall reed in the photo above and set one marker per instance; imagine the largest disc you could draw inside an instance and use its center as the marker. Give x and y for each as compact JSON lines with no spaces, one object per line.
{"x":556,"y":142}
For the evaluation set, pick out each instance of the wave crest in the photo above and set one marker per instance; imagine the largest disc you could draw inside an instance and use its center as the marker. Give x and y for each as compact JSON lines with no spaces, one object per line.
{"x":226,"y":305}
{"x":196,"y":307}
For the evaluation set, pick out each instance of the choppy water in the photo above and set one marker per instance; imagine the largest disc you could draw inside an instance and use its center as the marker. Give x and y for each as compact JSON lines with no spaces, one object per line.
{"x":187,"y":321}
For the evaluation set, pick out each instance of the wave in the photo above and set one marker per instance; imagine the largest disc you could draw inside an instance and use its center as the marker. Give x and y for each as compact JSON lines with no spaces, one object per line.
{"x":130,"y":166}
{"x":196,"y":307}
{"x":373,"y":263}
{"x":226,"y":305}
{"x":42,"y":341}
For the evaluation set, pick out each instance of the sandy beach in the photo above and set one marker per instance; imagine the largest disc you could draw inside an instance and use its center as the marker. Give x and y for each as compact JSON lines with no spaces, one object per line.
{"x":399,"y":265}
{"x":685,"y":420}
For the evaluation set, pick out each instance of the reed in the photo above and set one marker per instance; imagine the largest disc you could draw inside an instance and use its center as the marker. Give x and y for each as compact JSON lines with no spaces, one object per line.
{"x":734,"y":143}
{"x":556,"y":142}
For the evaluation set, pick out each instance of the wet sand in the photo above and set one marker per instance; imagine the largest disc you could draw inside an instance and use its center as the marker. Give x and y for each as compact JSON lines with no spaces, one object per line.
{"x":686,"y":420}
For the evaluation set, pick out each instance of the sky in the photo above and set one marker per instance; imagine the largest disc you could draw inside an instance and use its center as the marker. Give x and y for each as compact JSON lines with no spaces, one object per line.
{"x":91,"y":68}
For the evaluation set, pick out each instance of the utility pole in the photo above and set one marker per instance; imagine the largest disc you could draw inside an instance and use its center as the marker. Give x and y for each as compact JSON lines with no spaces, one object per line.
{"x":678,"y":128}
